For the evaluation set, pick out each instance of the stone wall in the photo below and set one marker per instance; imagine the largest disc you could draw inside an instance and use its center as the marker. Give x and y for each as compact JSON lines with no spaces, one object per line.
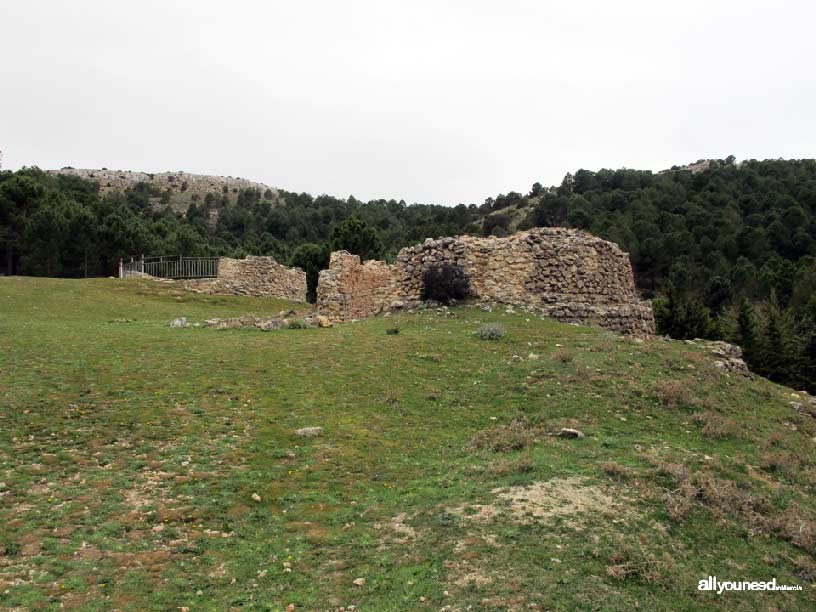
{"x":349,"y":289}
{"x":565,"y":274}
{"x":257,"y":276}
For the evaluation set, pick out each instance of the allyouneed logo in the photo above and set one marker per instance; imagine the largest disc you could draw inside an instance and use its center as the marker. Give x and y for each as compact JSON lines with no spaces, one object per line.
{"x":712,"y":584}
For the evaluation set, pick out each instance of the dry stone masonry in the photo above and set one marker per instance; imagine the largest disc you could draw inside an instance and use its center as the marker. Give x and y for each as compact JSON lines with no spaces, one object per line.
{"x":349,"y":289}
{"x":565,"y":274}
{"x":256,"y":276}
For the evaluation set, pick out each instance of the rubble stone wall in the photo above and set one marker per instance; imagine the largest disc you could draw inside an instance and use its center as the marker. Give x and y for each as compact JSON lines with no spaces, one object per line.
{"x":565,"y":274}
{"x":350,"y":289}
{"x":256,"y":276}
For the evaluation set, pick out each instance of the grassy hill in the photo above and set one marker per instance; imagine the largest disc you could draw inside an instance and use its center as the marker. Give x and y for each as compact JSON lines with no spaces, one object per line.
{"x":153,"y":468}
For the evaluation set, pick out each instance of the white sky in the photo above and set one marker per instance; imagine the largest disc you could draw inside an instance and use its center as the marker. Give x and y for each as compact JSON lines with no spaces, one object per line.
{"x":429,"y":101}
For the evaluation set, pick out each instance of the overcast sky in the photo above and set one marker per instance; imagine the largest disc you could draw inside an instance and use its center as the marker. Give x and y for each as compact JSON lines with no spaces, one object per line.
{"x":428,"y":101}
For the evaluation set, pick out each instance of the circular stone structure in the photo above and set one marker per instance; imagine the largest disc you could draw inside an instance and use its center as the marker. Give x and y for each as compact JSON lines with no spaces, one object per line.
{"x":565,"y":274}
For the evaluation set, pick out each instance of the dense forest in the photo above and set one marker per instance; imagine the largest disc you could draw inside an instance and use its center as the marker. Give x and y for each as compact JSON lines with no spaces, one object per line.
{"x":726,"y":251}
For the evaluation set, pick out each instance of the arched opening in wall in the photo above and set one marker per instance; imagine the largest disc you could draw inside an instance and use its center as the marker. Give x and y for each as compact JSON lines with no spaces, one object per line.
{"x":444,"y":283}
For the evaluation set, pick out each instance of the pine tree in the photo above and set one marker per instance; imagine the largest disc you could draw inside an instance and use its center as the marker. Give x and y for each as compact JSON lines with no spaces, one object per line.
{"x":747,"y":331}
{"x":807,"y":367}
{"x":776,"y":349}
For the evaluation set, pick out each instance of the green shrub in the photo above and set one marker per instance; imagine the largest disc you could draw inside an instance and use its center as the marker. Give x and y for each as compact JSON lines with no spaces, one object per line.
{"x":444,"y":283}
{"x":489,"y":331}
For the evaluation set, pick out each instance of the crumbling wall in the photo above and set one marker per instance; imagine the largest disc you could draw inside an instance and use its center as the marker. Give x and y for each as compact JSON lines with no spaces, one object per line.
{"x":256,"y":276}
{"x":349,"y":289}
{"x":565,"y":274}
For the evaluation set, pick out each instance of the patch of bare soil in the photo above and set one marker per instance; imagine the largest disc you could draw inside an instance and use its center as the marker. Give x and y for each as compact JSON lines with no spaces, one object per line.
{"x":395,"y":531}
{"x":474,"y":577}
{"x":401,"y":528}
{"x":473,"y":564}
{"x":569,"y":498}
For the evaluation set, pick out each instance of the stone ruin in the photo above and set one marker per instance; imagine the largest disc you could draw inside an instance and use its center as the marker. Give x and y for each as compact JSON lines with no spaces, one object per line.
{"x":255,"y":276}
{"x":565,"y":274}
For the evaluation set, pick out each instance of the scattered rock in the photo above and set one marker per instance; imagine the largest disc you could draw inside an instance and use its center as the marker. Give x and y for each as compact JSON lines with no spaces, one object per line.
{"x":730,"y":356}
{"x":309,"y":432}
{"x":270,"y":324}
{"x":246,"y":322}
{"x":397,"y":305}
{"x":568,"y":432}
{"x":180,"y":322}
{"x":256,"y":497}
{"x":359,"y":582}
{"x":323,"y":321}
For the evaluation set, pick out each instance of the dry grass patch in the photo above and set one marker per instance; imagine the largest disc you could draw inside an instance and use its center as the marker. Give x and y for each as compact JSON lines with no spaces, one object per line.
{"x":561,"y":498}
{"x":715,"y":426}
{"x":797,"y":525}
{"x":782,"y":462}
{"x":522,"y":465}
{"x":618,"y":472}
{"x":672,"y":393}
{"x":519,"y":433}
{"x":636,"y":564}
{"x":731,"y":501}
{"x":473,"y":566}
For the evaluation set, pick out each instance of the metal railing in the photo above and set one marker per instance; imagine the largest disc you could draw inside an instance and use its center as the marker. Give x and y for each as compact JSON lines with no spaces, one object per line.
{"x":169,"y":267}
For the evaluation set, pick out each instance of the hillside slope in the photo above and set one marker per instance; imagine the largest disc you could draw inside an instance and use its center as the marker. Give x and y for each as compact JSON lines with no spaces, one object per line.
{"x":149,"y":467}
{"x":182,"y":188}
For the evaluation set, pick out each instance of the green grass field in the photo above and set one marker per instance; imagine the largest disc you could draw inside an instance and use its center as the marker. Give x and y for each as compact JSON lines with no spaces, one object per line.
{"x":145,"y":467}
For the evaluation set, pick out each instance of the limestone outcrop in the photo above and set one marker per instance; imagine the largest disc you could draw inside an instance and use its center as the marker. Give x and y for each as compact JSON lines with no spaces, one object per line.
{"x":565,"y":274}
{"x":119,"y":180}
